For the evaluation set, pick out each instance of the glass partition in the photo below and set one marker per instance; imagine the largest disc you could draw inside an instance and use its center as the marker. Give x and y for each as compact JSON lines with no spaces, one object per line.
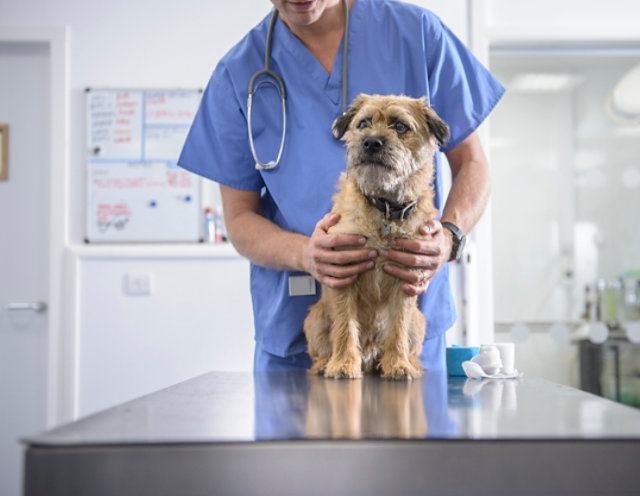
{"x":565,"y":157}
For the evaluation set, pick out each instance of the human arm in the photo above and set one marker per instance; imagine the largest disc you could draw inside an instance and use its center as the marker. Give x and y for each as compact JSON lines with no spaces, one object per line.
{"x":268,"y":245}
{"x":465,"y":204}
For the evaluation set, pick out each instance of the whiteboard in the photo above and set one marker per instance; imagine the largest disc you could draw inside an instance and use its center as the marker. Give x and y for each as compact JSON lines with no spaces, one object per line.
{"x":135,"y":190}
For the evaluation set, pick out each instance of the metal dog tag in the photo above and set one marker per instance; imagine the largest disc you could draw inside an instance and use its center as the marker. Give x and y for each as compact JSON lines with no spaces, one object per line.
{"x":302,"y":286}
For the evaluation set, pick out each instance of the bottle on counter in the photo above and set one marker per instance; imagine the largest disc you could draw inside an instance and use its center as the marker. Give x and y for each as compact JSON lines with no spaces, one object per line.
{"x":209,"y":225}
{"x":221,"y":231}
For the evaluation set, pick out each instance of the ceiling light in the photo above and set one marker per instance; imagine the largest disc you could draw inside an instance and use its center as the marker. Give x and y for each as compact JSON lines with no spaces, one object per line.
{"x":543,"y":82}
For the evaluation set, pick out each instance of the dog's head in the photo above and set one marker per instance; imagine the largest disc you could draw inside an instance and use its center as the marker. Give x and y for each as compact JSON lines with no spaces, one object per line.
{"x":389,"y":139}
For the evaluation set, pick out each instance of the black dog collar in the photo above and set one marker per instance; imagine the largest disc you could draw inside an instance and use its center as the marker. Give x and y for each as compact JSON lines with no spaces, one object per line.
{"x":393,"y":211}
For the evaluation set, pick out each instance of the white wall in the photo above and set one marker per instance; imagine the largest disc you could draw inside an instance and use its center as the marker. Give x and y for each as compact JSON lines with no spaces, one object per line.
{"x":196,"y":318}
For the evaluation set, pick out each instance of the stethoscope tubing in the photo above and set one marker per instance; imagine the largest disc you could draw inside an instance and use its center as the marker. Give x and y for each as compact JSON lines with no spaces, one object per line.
{"x":280,"y":87}
{"x":252,"y":89}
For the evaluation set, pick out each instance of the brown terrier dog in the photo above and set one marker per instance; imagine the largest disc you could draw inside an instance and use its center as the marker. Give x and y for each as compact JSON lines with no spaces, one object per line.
{"x":385,"y":193}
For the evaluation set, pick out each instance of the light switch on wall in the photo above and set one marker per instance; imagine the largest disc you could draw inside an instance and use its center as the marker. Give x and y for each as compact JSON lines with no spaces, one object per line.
{"x":138,"y":284}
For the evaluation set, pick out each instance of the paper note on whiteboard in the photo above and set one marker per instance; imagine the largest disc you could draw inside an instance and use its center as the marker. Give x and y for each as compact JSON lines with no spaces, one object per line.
{"x":135,"y":191}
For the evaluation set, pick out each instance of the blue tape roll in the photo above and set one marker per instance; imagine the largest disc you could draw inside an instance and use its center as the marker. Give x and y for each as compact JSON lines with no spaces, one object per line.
{"x":458,"y":354}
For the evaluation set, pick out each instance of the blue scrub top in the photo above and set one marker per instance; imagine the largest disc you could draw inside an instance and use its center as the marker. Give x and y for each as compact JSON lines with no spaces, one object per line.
{"x":394,"y":48}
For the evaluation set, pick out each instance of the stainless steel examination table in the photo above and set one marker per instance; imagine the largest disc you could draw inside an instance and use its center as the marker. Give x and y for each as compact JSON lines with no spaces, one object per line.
{"x":295,"y":434}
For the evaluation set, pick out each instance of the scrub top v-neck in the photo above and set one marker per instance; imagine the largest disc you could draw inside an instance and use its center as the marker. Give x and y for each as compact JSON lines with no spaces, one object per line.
{"x":394,"y":48}
{"x":331,"y":82}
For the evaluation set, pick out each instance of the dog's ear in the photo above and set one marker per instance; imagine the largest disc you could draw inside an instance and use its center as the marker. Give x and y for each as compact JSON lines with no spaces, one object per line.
{"x":437,"y":126}
{"x":341,"y":124}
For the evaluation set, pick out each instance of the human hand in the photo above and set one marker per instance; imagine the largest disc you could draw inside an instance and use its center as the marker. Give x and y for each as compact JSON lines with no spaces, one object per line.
{"x":335,"y":260}
{"x":420,"y":259}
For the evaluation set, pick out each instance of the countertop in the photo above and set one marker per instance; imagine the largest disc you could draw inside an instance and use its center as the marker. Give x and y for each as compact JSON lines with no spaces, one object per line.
{"x":285,"y":430}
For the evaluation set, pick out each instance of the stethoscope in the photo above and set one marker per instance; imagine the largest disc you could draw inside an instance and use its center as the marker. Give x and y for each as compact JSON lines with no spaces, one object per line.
{"x":253,"y":88}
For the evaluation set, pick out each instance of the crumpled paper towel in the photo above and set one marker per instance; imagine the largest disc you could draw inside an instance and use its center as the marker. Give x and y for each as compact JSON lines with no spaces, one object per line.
{"x":475,"y":371}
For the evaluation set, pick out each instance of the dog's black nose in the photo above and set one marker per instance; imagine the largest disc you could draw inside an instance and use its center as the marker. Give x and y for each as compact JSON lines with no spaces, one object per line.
{"x":372,"y":144}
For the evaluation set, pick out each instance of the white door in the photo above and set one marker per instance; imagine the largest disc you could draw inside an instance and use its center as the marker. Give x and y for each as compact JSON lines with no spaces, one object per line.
{"x":24,"y":201}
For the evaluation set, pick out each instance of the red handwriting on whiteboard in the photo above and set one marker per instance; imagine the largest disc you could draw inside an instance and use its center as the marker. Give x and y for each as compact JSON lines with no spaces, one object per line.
{"x":170,"y":114}
{"x":119,"y":182}
{"x":126,"y":107}
{"x":170,"y":107}
{"x":116,"y":216}
{"x":158,"y":100}
{"x":180,"y":179}
{"x":105,"y":210}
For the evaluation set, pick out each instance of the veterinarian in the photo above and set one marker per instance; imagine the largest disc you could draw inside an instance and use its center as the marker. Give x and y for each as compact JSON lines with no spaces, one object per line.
{"x":276,"y":206}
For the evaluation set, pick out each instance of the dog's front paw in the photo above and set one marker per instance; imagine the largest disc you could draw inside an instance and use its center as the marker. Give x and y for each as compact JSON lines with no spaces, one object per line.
{"x":399,"y":370}
{"x":319,"y":365}
{"x":347,"y":369}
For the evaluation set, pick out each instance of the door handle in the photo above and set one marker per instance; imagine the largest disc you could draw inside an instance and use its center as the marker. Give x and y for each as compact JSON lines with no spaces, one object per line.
{"x":35,"y":306}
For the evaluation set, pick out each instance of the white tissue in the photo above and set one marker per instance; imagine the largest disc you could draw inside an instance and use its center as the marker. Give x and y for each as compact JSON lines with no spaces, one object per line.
{"x":488,"y":359}
{"x":475,"y":371}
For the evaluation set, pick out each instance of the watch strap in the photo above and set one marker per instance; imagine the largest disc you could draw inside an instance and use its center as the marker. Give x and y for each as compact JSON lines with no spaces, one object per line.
{"x":458,"y":241}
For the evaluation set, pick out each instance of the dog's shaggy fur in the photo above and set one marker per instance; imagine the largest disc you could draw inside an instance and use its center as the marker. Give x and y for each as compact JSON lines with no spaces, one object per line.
{"x":373,"y":324}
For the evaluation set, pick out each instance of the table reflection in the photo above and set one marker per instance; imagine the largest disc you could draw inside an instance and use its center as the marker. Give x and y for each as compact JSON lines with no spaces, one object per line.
{"x":299,"y":405}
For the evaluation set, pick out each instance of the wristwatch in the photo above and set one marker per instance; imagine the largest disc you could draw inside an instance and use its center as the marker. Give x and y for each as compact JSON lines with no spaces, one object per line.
{"x":459,"y":240}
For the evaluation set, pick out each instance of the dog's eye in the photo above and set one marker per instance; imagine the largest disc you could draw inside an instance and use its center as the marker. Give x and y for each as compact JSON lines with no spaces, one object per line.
{"x":400,"y":127}
{"x":363,"y":123}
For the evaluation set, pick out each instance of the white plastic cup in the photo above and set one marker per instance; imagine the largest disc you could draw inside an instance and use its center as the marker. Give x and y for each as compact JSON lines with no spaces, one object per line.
{"x":507,"y":355}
